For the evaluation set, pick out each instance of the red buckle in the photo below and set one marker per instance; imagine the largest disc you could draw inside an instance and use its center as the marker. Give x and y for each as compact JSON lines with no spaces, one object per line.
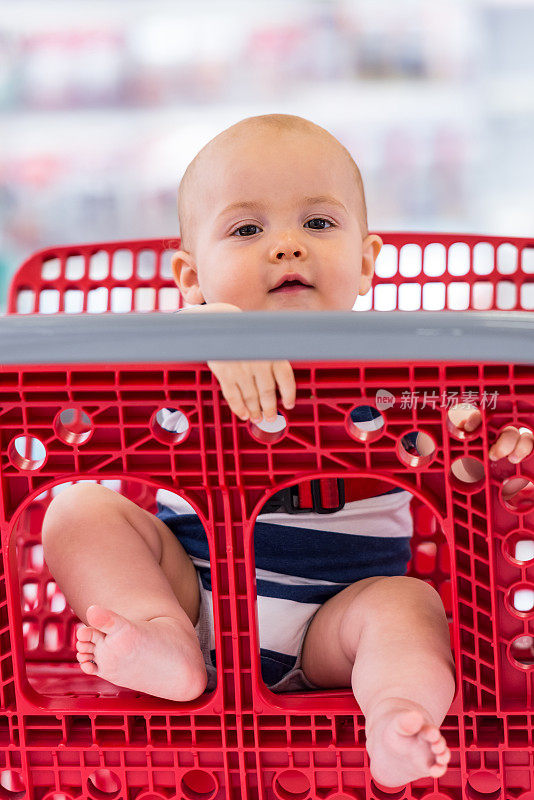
{"x":324,"y":496}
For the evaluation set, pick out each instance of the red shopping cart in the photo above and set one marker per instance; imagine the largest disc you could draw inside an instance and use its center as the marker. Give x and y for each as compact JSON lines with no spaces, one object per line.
{"x":66,"y":735}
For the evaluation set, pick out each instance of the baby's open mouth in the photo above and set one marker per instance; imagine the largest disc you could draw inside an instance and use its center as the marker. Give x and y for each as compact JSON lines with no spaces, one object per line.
{"x":291,"y":286}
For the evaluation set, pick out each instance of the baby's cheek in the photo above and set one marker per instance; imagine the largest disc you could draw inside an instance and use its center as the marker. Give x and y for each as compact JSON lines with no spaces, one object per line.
{"x":222,"y":287}
{"x":245,"y":288}
{"x":344,"y":289}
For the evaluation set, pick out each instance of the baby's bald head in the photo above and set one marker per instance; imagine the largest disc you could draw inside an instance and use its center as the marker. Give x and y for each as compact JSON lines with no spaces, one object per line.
{"x":195,"y":181}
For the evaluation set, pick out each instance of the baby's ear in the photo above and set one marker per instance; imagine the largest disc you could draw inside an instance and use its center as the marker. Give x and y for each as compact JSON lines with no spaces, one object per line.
{"x":185,"y":275}
{"x":372,"y":245}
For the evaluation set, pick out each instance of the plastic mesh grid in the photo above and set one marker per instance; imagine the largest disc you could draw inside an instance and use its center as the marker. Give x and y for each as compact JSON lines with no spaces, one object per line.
{"x":414,"y":271}
{"x":241,"y":740}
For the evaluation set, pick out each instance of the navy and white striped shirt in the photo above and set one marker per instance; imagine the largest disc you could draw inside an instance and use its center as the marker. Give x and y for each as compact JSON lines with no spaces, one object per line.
{"x":302,"y":559}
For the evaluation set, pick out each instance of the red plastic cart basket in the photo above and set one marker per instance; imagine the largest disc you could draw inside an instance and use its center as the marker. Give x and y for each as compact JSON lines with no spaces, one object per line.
{"x":65,"y":735}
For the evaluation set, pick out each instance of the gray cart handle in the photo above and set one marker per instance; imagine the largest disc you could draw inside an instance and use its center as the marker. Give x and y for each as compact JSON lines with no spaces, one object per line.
{"x":461,"y":337}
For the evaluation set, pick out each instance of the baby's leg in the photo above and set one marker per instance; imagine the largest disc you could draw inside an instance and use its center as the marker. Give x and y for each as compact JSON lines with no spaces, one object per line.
{"x":125,"y":575}
{"x":389,"y":636}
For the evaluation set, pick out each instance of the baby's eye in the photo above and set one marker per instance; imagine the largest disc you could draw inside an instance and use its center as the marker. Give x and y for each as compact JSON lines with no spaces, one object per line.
{"x":250,"y":225}
{"x":319,"y":219}
{"x":237,"y":231}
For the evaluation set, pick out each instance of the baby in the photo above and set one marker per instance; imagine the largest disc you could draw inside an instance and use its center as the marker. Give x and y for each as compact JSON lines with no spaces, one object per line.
{"x":248,"y":204}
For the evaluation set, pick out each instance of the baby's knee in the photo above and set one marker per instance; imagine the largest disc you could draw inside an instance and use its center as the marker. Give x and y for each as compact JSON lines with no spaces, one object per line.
{"x":72,"y":505}
{"x":405,"y":591}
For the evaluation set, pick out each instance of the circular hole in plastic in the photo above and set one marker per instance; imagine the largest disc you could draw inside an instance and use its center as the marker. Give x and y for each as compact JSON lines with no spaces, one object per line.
{"x":436,"y":796}
{"x":338,"y":796}
{"x":521,"y":651}
{"x":518,"y":548}
{"x":416,"y":449}
{"x":199,"y":785}
{"x":73,"y":426}
{"x":103,"y":783}
{"x":169,"y":426}
{"x":11,"y":785}
{"x":387,"y":792}
{"x":457,"y":417}
{"x":467,"y":474}
{"x":365,"y":423}
{"x":483,"y":786}
{"x":150,"y":796}
{"x":292,"y":784}
{"x":269,"y":432}
{"x":524,"y":429}
{"x":519,"y":600}
{"x":27,"y":453}
{"x":57,"y":796}
{"x":517,"y":495}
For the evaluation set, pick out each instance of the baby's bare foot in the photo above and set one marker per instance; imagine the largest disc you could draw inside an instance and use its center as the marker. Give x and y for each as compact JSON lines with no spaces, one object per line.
{"x":157,"y":656}
{"x":404,"y":744}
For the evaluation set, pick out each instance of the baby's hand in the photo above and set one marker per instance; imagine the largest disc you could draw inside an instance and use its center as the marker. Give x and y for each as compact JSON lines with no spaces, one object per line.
{"x":249,"y":387}
{"x":516,"y":443}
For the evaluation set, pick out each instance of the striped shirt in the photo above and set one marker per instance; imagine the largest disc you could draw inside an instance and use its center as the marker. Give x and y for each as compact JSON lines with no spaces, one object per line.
{"x":303,"y":559}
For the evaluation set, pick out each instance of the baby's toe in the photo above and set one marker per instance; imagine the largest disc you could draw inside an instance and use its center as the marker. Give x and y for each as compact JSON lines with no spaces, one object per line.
{"x":91,"y":636}
{"x":443,"y":758}
{"x":84,"y":634}
{"x":88,"y":667}
{"x":430,"y":734}
{"x":85,"y":647}
{"x":437,"y":770}
{"x":439,"y":746}
{"x":409,"y":722}
{"x":83,"y":657}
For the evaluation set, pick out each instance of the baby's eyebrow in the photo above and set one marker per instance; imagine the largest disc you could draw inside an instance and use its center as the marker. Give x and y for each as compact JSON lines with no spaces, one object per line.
{"x":254,"y":205}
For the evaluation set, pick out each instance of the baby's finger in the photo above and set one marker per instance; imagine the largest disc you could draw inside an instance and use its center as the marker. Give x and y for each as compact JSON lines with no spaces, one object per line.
{"x":249,"y":390}
{"x":227,"y":373}
{"x":234,"y":398}
{"x":472,"y":421}
{"x":505,"y":444}
{"x":285,"y":378}
{"x":266,"y":386}
{"x":523,"y":448}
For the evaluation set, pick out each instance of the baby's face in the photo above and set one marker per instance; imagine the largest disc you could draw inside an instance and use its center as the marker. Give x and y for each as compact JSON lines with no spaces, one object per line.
{"x":303,"y":219}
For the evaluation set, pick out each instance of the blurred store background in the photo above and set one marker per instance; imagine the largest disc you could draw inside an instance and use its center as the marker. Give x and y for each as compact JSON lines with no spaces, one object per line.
{"x":103,"y":103}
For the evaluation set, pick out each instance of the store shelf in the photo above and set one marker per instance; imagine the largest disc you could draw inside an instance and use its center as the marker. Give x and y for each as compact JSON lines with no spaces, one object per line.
{"x":90,"y":89}
{"x":354,"y":102}
{"x":508,"y":4}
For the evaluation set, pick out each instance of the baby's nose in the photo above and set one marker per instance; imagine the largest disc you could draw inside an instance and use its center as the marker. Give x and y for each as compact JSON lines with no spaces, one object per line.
{"x":296,"y":253}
